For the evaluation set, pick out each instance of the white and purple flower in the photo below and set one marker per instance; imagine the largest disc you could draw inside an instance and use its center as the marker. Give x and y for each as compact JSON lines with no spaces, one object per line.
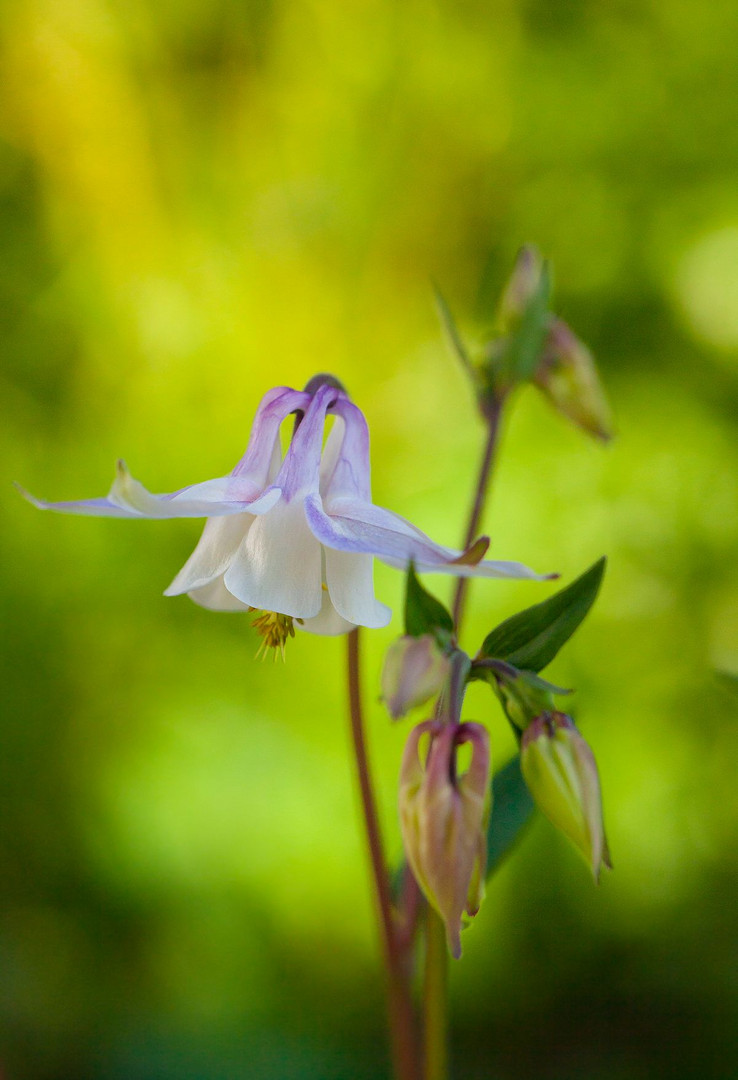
{"x":294,"y":537}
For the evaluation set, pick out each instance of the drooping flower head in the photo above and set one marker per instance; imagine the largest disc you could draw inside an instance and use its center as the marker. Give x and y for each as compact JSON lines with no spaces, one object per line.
{"x":293,"y":536}
{"x":443,"y":818}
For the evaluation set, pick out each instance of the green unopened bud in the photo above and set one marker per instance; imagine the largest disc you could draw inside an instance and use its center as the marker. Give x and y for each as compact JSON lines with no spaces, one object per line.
{"x":523,"y":694}
{"x":561,"y":773}
{"x":444,"y":817}
{"x":568,"y":377}
{"x":415,"y":669}
{"x":522,"y":286}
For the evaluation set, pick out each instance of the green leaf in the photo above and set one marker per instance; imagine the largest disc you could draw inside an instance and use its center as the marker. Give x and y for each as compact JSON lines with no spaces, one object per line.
{"x":453,"y":337}
{"x":512,"y":809}
{"x":523,"y":353}
{"x":531,"y":639}
{"x":423,"y":613}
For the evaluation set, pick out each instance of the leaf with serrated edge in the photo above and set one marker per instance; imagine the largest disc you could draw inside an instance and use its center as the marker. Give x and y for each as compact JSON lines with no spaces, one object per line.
{"x":512,"y":809}
{"x":531,"y":639}
{"x":423,"y":613}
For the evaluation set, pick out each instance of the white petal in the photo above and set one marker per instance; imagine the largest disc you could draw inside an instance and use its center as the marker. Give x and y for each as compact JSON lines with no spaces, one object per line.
{"x":216,"y":597}
{"x":327,"y":623}
{"x":278,"y":565}
{"x":224,"y":495}
{"x":212,"y":556}
{"x":350,"y":580}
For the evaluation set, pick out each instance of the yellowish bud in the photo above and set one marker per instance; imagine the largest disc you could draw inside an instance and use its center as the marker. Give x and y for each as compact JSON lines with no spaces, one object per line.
{"x":561,"y":773}
{"x":568,"y":377}
{"x":415,"y":669}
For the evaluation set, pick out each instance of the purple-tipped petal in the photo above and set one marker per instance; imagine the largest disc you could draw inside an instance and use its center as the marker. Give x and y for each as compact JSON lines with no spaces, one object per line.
{"x":100,"y":507}
{"x":345,"y":471}
{"x":263,"y":449}
{"x":245,"y":489}
{"x":211,"y":498}
{"x":358,"y":526}
{"x":300,"y":470}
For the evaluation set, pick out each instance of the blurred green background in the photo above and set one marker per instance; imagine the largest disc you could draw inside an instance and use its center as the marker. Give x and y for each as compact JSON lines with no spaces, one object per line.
{"x":201,"y":200}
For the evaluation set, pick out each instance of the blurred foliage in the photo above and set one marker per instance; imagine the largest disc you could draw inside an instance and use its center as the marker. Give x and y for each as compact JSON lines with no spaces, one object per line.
{"x":201,"y":200}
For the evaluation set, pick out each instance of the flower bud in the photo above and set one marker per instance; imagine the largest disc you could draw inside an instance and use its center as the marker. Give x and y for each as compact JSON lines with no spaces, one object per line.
{"x":444,"y":817}
{"x":521,"y":287}
{"x":523,"y":694}
{"x":568,"y":377}
{"x":561,"y":773}
{"x":415,"y":669}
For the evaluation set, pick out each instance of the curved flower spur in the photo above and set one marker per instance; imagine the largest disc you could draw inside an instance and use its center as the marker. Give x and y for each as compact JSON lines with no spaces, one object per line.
{"x":294,"y":538}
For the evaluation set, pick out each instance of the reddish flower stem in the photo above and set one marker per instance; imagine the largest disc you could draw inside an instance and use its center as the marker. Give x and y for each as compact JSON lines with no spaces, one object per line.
{"x":399,"y":1002}
{"x":492,"y":415}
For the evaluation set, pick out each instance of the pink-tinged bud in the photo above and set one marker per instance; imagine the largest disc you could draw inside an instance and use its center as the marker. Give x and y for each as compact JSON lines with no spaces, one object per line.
{"x":521,"y":287}
{"x":415,"y":669}
{"x":561,"y":773}
{"x":443,"y":817}
{"x":568,"y":377}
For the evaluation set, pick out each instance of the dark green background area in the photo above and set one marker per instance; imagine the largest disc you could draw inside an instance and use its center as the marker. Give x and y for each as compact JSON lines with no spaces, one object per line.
{"x":199,"y":201}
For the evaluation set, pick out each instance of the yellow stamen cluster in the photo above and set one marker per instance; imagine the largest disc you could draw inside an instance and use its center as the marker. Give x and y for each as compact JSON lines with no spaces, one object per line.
{"x":274,"y":629}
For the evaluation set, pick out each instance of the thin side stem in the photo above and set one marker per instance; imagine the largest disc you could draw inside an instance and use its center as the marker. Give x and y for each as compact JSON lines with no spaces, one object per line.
{"x":435,"y":1003}
{"x":399,"y":1002}
{"x":435,"y":994}
{"x":475,"y":515}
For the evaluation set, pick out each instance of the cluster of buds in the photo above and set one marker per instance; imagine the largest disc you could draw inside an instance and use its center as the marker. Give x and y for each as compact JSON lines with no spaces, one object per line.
{"x":565,"y":369}
{"x":561,"y":773}
{"x":443,"y":817}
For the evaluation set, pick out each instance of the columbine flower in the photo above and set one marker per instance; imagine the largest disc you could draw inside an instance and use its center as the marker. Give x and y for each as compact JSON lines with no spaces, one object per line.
{"x":443,"y":817}
{"x":294,"y":537}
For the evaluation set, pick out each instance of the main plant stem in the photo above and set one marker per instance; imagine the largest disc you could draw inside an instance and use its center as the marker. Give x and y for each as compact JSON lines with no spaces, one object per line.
{"x":399,"y":1002}
{"x":492,"y":416}
{"x":435,"y":997}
